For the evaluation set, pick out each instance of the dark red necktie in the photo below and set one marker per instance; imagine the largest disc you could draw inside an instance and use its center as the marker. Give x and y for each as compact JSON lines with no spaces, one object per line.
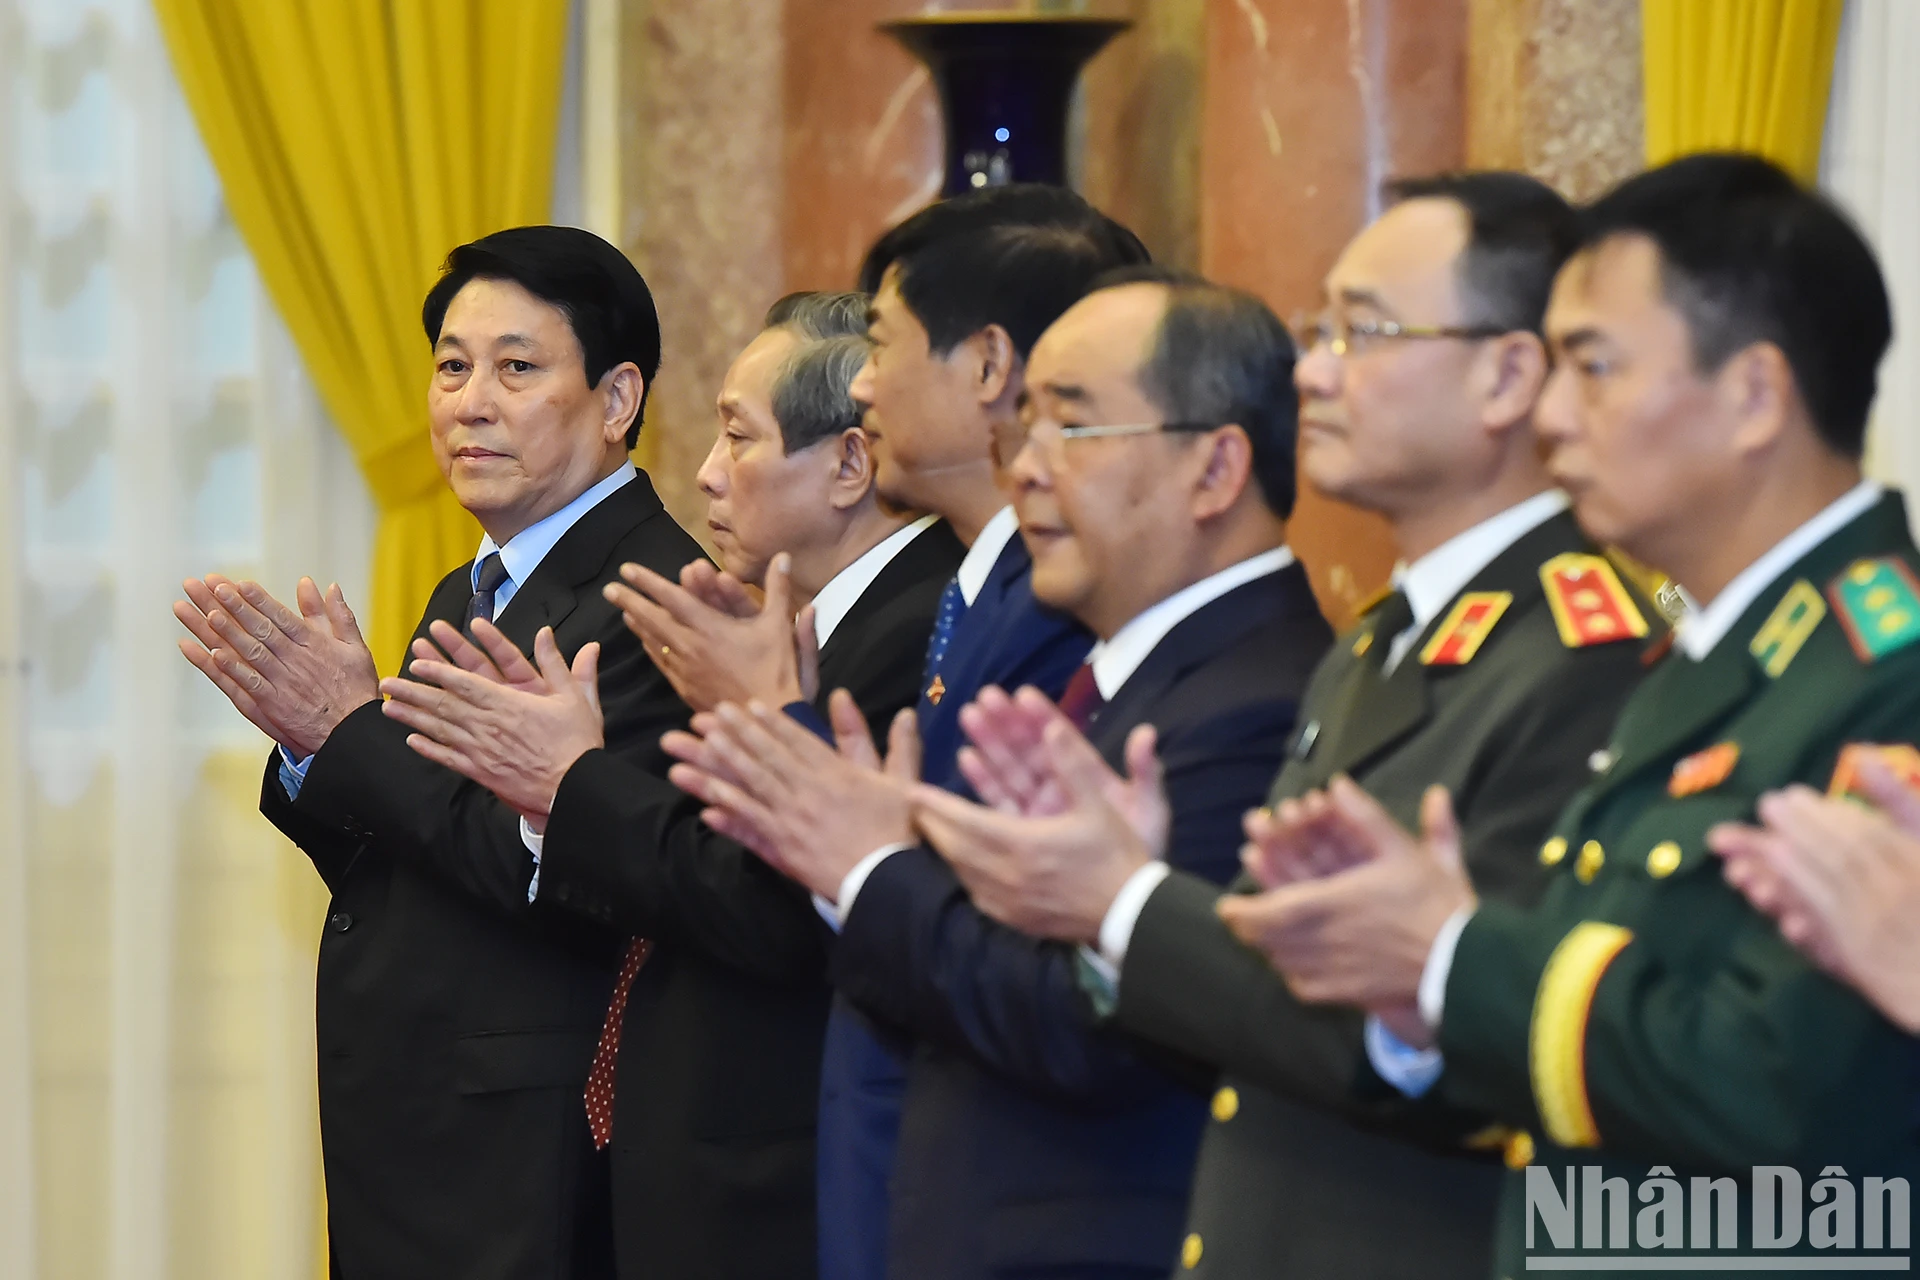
{"x":1082,"y":700}
{"x":599,"y":1094}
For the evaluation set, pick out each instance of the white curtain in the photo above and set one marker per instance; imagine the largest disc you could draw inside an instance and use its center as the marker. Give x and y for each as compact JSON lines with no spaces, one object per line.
{"x":156,"y":937}
{"x":1870,"y":161}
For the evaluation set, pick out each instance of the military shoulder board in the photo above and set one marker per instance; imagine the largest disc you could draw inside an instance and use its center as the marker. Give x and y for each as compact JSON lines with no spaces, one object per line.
{"x":1878,"y":604}
{"x":1590,"y":606}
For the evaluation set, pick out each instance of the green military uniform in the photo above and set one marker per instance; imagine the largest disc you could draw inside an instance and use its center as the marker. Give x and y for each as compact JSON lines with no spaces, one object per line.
{"x":1643,"y":1007}
{"x":1502,"y":704}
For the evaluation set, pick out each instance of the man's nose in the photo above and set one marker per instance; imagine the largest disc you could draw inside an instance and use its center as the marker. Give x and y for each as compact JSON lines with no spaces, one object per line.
{"x":1556,"y":415}
{"x":1317,"y":372}
{"x":711,"y":478}
{"x":477,"y":400}
{"x":860,"y":391}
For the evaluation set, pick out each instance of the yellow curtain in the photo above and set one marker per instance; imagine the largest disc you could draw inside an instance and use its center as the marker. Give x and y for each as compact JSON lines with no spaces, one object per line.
{"x":357,"y":142}
{"x":1747,"y":75}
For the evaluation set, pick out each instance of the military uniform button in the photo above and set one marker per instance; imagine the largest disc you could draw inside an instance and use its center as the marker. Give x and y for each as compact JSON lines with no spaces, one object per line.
{"x":340,"y":921}
{"x":1663,"y":860}
{"x":1592,"y":858}
{"x":1519,"y":1150}
{"x":1226,"y":1104}
{"x":1190,"y":1250}
{"x":1553,"y":850}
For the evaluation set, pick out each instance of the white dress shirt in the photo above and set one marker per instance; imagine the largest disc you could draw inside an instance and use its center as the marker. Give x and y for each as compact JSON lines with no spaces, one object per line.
{"x":1697,"y":634}
{"x":1114,"y":660}
{"x":844,"y":589}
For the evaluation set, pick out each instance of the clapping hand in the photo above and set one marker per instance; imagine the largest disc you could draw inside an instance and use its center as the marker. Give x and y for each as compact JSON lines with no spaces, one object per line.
{"x":295,"y":676}
{"x":488,"y":714}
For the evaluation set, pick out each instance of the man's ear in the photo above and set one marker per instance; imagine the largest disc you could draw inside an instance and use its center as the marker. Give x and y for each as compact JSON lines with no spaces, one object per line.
{"x":1228,"y":471}
{"x":852,"y":478}
{"x":996,"y":365}
{"x":1512,"y":372}
{"x":623,"y":385}
{"x":1756,"y":389}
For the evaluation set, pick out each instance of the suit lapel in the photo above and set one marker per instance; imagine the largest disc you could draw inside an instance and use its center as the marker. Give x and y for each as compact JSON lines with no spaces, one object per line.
{"x":934,"y":550}
{"x":551,"y":592}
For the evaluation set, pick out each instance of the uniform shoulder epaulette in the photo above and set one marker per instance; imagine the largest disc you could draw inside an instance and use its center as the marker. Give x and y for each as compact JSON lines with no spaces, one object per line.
{"x":1590,"y":604}
{"x":1878,"y":604}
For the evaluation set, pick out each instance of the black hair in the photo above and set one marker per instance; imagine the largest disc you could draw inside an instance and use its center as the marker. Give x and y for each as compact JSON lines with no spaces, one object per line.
{"x":1749,"y":255}
{"x":1020,"y":278}
{"x":1027,"y":204}
{"x":1220,"y":356}
{"x":813,"y":315}
{"x":602,"y":295}
{"x":1520,"y":233}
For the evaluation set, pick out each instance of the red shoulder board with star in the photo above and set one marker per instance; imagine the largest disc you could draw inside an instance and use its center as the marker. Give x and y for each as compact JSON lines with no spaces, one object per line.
{"x":1466,"y":628}
{"x":1590,"y":606}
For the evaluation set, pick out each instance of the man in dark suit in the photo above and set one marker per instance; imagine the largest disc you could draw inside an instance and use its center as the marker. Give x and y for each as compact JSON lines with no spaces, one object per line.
{"x":966,"y":286}
{"x":456,"y":1021}
{"x":1152,"y":487}
{"x":711,"y":1112}
{"x":1479,"y":671}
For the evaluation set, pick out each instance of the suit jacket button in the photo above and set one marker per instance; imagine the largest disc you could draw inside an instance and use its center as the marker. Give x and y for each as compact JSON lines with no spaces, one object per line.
{"x":340,"y":921}
{"x":1190,"y":1250}
{"x":1226,"y":1104}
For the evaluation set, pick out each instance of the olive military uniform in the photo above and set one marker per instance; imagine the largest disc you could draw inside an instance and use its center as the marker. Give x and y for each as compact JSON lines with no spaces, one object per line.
{"x":1644,"y":1007}
{"x":1503,"y":699}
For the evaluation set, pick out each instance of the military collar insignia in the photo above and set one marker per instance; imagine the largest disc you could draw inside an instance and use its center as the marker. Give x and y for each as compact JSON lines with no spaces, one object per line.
{"x":1787,"y":628}
{"x":1878,"y":604}
{"x":1903,"y":759}
{"x":1703,"y":770}
{"x":1465,"y":628}
{"x":1590,"y":606}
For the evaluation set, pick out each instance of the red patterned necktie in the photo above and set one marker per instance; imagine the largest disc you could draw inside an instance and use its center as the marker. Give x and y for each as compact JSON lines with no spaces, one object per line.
{"x":599,"y":1095}
{"x":1082,"y":700}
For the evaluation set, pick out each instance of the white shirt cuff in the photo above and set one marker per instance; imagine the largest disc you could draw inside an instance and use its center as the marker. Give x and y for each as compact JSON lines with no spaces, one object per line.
{"x":836,"y":911}
{"x":1412,"y":1071}
{"x":293,"y":773}
{"x":535,"y":842}
{"x":1116,"y":929}
{"x":1433,"y":978}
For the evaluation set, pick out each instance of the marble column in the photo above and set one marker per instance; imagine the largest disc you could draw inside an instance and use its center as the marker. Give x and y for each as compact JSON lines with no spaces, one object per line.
{"x":1554,"y":90}
{"x":702,"y":131}
{"x":1310,"y":105}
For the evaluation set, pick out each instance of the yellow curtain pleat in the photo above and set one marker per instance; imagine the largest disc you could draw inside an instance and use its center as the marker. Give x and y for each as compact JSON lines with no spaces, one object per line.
{"x":357,"y":142}
{"x":1746,"y":75}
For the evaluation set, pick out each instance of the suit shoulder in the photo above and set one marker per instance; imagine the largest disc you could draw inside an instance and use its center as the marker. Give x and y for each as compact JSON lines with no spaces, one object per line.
{"x":1264,"y":673}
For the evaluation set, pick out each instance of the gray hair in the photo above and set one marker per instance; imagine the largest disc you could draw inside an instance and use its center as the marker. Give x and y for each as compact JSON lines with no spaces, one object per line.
{"x":810,"y":392}
{"x":816,"y":315}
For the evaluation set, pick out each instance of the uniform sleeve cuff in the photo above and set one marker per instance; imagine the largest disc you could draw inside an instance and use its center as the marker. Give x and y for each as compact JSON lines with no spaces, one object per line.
{"x":1433,"y":978}
{"x":1116,"y":930}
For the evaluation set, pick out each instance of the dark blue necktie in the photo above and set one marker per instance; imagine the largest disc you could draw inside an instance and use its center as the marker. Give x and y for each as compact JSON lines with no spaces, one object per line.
{"x":486,"y":584}
{"x":953,"y":606}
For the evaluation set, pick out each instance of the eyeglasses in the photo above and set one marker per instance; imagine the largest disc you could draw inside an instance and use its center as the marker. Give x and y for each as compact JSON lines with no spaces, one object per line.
{"x":1350,"y":337}
{"x":1048,"y":434}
